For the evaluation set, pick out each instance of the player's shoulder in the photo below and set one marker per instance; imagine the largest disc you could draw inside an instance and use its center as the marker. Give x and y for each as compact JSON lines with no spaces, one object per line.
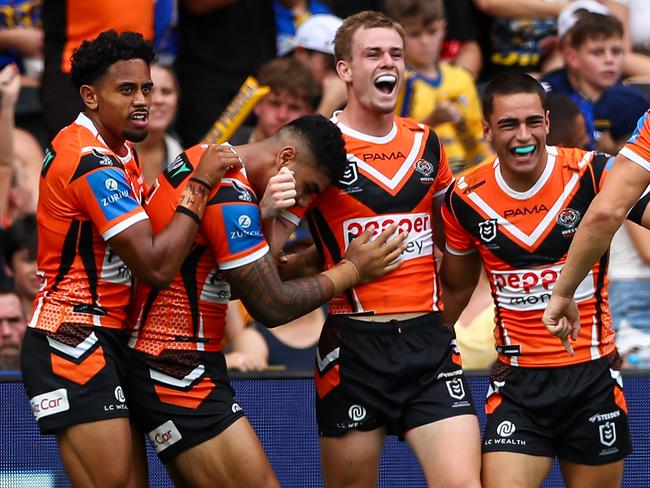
{"x":574,"y":159}
{"x":474,"y":178}
{"x":234,"y":188}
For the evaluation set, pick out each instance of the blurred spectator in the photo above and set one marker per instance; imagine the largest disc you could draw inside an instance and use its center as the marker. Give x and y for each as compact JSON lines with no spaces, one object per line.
{"x":9,"y":88}
{"x":622,"y":122}
{"x":522,"y":35}
{"x":567,"y":124}
{"x":12,"y":329}
{"x":66,"y":24}
{"x":159,"y":149}
{"x":289,"y":15}
{"x":291,"y":96}
{"x":635,"y":16}
{"x":593,"y":52}
{"x":345,"y":8}
{"x":437,"y":93}
{"x":21,"y":37}
{"x":165,"y":37}
{"x":220,"y":43}
{"x":315,"y":49}
{"x":21,"y":245}
{"x":461,"y":45}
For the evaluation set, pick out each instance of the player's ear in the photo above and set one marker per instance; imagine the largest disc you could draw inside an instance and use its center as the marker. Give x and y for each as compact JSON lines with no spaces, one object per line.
{"x":343,"y":70}
{"x":89,"y":96}
{"x":286,"y":154}
{"x":487,"y":133}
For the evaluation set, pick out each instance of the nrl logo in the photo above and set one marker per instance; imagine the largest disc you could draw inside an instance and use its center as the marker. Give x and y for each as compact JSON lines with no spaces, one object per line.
{"x":350,"y":175}
{"x":455,"y":388}
{"x":607,"y":433}
{"x":487,"y":230}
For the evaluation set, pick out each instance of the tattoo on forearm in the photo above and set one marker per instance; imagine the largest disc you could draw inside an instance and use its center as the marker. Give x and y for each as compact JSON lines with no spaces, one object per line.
{"x":272,"y":301}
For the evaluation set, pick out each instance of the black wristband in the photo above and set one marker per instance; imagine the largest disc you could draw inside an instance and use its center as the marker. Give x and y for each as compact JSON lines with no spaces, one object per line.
{"x":189,"y":213}
{"x":201,"y":182}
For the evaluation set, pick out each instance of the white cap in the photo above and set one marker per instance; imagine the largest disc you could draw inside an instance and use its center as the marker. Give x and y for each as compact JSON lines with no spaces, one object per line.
{"x":568,"y":17}
{"x":317,"y":33}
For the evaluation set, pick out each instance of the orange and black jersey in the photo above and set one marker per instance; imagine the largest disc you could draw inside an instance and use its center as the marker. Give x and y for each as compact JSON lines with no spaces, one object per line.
{"x":390,"y":179}
{"x":190,"y":314}
{"x":523,"y":238}
{"x":87,"y":195}
{"x":637,"y":147}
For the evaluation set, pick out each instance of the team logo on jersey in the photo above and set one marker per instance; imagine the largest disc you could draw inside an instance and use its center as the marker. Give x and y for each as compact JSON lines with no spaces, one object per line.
{"x":607,"y":433}
{"x":350,"y":175}
{"x":487,"y":230}
{"x":103,"y":159}
{"x":568,"y":218}
{"x":424,"y":167}
{"x":244,"y":194}
{"x":455,"y":388}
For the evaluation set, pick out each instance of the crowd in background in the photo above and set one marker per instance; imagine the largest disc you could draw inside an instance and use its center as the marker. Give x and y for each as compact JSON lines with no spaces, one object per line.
{"x":593,"y":56}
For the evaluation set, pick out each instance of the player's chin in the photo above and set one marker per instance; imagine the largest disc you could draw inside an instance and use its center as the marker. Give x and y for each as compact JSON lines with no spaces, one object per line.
{"x":135,"y":135}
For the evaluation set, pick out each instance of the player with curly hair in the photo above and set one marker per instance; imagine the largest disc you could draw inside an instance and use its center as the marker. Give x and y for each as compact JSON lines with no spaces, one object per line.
{"x":93,"y":235}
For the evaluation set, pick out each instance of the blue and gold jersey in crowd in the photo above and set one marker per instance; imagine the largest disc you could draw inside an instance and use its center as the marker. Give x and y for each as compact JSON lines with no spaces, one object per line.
{"x":419,"y":97}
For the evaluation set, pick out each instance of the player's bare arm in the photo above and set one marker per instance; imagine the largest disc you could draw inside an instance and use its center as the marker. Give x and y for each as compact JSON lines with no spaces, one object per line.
{"x":605,"y":215}
{"x":156,"y":259}
{"x":458,"y":277}
{"x":274,"y":302}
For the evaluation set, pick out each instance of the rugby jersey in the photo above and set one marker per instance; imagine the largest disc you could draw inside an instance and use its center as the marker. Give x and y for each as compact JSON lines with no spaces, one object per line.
{"x":390,"y":179}
{"x":523,"y":239}
{"x":87,"y":195}
{"x":190,"y":314}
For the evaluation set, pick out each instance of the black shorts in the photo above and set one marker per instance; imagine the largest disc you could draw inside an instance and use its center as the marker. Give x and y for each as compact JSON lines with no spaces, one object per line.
{"x":576,"y":412}
{"x":75,"y":375}
{"x":398,"y":374}
{"x":181,"y":398}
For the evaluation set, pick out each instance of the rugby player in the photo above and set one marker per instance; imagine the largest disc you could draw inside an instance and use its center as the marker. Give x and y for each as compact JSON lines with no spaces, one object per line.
{"x":180,"y":393}
{"x":517,"y":217}
{"x":93,"y":234}
{"x":386,"y":364}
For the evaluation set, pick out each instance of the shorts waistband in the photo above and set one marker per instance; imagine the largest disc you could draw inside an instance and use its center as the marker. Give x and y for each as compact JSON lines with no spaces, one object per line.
{"x":392,"y":326}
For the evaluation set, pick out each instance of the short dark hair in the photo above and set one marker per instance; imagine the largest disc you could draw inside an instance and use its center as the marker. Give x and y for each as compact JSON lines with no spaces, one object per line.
{"x":562,"y":112}
{"x":288,"y":75}
{"x":591,"y":25}
{"x":368,"y":19}
{"x":93,"y":58}
{"x":324,"y":140}
{"x":511,"y":83}
{"x":22,"y":234}
{"x":426,"y":11}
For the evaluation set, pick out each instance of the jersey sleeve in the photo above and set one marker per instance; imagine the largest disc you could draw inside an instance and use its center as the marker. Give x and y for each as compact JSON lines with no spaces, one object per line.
{"x":458,"y":240}
{"x":233,"y":229}
{"x":103,"y":191}
{"x":444,"y":178}
{"x":637,"y":148}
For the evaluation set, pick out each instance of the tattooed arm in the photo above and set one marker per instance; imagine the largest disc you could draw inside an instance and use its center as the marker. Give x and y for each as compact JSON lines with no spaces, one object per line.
{"x":274,"y":302}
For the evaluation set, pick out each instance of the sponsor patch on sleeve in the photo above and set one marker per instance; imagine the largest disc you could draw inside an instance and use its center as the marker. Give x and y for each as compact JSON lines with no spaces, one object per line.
{"x":112,"y":192}
{"x":243,"y":227}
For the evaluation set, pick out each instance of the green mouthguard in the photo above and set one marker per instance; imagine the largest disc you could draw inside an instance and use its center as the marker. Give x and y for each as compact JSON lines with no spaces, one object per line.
{"x":525,"y":149}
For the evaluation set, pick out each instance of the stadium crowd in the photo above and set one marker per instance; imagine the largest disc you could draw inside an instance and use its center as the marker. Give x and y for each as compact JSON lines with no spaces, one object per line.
{"x":230,"y":113}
